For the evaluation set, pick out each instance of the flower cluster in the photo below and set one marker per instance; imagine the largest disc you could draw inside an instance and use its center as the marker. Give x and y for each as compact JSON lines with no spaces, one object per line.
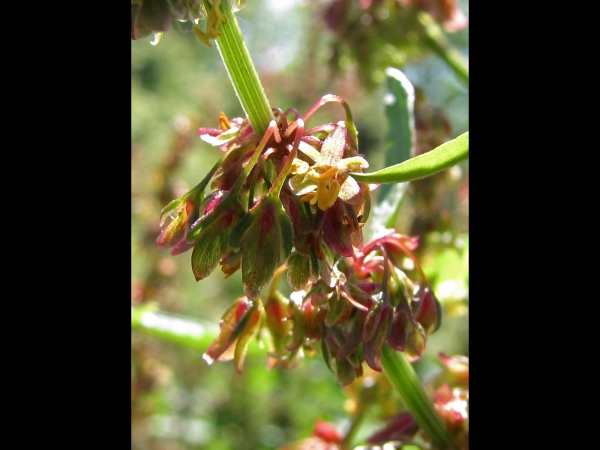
{"x":286,"y":203}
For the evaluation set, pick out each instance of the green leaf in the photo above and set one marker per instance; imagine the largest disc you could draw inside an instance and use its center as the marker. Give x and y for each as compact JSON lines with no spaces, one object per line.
{"x":399,"y":110}
{"x":440,"y":158}
{"x":400,"y":146}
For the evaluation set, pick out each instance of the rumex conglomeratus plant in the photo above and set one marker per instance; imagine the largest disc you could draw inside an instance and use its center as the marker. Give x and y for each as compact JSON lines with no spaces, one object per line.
{"x":284,"y":202}
{"x":289,"y":201}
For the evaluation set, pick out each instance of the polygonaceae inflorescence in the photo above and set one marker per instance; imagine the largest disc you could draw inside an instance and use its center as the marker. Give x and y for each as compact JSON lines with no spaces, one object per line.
{"x":286,"y":203}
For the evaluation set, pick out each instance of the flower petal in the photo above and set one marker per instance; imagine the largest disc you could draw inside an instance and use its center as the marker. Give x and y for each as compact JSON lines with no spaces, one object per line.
{"x":349,"y":190}
{"x":222,"y":138}
{"x":354,"y":162}
{"x":333,"y":147}
{"x":302,"y":184}
{"x":309,"y":151}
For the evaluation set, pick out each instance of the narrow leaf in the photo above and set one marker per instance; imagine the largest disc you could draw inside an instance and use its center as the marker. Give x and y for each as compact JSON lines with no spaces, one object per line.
{"x":400,"y":146}
{"x":440,"y":158}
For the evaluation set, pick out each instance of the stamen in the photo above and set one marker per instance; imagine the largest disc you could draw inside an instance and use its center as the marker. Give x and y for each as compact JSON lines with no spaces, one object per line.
{"x":224,"y":121}
{"x":329,"y":173}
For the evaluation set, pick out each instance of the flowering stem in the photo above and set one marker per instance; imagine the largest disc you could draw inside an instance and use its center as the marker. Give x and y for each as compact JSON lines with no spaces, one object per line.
{"x":241,"y":71}
{"x":402,"y":375}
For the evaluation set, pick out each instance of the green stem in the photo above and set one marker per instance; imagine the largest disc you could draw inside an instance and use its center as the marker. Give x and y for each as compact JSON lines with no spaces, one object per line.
{"x":434,"y":38}
{"x":174,"y":328}
{"x":402,"y":375}
{"x":241,"y":71}
{"x":179,"y":329}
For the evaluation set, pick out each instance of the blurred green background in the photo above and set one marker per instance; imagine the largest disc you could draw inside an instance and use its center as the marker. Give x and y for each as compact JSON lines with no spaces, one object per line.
{"x":178,"y":401}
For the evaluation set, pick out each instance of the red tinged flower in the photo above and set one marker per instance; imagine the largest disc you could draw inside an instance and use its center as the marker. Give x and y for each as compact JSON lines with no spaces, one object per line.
{"x":174,"y":233}
{"x":265,"y":237}
{"x":325,"y":436}
{"x":453,"y":405}
{"x":239,"y":324}
{"x":210,"y":234}
{"x":429,"y":312}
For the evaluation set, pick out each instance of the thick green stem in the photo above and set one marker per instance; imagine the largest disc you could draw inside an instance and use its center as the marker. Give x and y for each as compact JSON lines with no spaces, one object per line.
{"x":242,"y":73}
{"x":402,"y":375}
{"x":434,"y":38}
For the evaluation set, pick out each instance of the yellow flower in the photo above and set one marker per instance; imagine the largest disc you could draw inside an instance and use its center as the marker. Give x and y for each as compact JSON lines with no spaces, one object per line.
{"x":326,"y":180}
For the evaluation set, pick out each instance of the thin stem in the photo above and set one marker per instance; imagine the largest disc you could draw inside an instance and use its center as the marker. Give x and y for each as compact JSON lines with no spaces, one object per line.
{"x":434,"y":38}
{"x":242,"y":73}
{"x":402,"y":375}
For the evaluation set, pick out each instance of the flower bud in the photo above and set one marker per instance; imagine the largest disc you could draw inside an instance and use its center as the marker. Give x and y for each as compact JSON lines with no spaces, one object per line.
{"x":380,"y":335}
{"x":264,"y":235}
{"x":176,"y":230}
{"x":238,"y":325}
{"x":210,"y":234}
{"x":407,"y":335}
{"x":341,"y":230}
{"x":429,"y":312}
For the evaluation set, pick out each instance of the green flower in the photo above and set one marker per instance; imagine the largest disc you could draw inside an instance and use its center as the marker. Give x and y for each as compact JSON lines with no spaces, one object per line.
{"x":326,"y":180}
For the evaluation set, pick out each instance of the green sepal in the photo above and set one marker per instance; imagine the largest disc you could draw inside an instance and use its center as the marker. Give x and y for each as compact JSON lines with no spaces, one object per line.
{"x":298,"y":273}
{"x":265,"y":237}
{"x":338,"y":309}
{"x":326,"y":352}
{"x":212,"y":246}
{"x":250,"y":330}
{"x":345,"y":372}
{"x":375,"y":343}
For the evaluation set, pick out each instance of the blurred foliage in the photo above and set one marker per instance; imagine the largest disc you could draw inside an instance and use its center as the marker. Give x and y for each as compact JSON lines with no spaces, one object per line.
{"x":179,"y":85}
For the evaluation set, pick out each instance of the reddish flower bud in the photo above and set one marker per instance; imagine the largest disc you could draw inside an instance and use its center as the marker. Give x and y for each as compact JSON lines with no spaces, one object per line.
{"x":407,"y":334}
{"x":380,"y":335}
{"x":341,"y":230}
{"x":265,"y":237}
{"x":238,"y":325}
{"x":429,"y":312}
{"x":452,"y":405}
{"x":175,"y":231}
